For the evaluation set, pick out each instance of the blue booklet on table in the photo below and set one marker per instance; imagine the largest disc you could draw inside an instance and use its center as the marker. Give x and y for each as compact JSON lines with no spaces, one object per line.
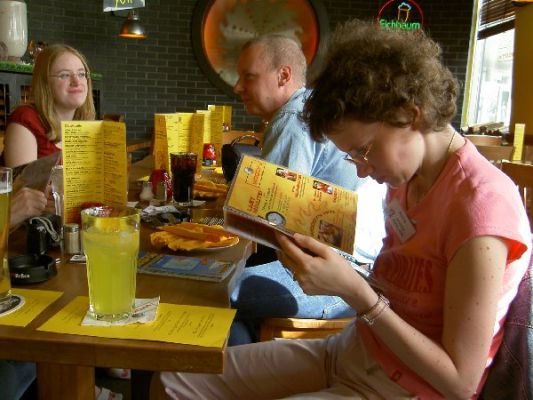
{"x":200,"y":268}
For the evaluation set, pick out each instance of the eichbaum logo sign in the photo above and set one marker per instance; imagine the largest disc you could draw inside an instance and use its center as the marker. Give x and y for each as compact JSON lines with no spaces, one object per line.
{"x":406,"y":15}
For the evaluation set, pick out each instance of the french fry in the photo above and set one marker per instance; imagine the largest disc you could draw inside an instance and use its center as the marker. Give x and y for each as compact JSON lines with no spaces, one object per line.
{"x":214,"y":229}
{"x":190,"y":234}
{"x":208,"y":186}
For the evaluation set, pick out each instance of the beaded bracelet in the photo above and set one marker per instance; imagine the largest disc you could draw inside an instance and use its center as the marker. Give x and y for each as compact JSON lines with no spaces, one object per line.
{"x":376,"y":310}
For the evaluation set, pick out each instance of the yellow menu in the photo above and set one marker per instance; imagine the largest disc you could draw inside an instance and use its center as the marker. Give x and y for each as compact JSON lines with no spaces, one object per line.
{"x":180,"y":132}
{"x":518,"y":142}
{"x":172,"y":134}
{"x":35,"y":301}
{"x":196,"y":325}
{"x":94,"y":165}
{"x":264,"y":197}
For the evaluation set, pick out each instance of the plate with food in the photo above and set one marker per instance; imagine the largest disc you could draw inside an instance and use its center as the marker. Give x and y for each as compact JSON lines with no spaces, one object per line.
{"x":205,"y":189}
{"x":189,"y":236}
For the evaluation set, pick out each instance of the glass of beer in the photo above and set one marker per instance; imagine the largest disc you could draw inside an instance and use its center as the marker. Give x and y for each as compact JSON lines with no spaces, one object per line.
{"x":6,"y":177}
{"x":110,"y":238}
{"x":183,"y":167}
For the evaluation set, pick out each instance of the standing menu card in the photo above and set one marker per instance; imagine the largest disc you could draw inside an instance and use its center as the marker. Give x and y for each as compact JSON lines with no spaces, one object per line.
{"x":94,"y":165}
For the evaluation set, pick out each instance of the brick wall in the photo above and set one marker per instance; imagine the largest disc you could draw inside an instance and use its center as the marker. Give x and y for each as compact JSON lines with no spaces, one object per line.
{"x":160,"y":73}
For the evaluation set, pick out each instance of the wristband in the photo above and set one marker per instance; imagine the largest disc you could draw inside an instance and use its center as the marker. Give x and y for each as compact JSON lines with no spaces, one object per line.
{"x":376,"y":310}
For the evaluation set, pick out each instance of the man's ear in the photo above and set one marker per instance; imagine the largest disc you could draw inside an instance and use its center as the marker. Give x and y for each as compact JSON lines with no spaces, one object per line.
{"x":284,"y":75}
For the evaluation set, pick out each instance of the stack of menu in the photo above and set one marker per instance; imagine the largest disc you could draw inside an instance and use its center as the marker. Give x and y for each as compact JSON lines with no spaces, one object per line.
{"x":183,"y":132}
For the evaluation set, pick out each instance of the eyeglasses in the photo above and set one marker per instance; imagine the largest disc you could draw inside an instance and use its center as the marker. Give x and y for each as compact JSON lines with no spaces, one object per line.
{"x":361,"y":156}
{"x":64,"y":76}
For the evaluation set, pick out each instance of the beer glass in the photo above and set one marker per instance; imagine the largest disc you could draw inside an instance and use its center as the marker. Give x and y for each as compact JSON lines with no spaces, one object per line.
{"x":110,"y":238}
{"x":6,"y":178}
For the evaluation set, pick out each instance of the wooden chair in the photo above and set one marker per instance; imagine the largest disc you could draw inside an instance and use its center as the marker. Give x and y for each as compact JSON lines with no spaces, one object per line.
{"x":485,"y":140}
{"x":496,"y":153}
{"x":522,"y":175}
{"x":300,"y":328}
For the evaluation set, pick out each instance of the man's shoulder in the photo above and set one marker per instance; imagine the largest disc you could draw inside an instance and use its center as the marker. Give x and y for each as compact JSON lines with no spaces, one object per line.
{"x":296,"y":102}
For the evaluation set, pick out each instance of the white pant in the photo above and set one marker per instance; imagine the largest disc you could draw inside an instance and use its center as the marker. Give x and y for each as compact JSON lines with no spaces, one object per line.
{"x":338,"y":367}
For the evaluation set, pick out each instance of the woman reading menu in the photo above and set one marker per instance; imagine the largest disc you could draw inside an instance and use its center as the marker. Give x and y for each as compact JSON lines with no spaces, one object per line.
{"x":430,"y":318}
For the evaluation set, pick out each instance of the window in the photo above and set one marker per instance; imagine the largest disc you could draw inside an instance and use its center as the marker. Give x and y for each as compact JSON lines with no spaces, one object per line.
{"x":489,"y":89}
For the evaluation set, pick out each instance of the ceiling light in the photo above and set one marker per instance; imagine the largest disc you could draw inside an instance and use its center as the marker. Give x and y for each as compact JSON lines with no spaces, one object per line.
{"x":132,"y":27}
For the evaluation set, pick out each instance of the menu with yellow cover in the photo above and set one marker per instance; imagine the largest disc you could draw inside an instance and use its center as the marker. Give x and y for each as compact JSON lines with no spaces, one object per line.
{"x":264,"y":197}
{"x":94,"y":165}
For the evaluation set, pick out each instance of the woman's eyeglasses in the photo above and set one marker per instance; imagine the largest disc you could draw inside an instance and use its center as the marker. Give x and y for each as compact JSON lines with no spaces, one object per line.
{"x":361,"y":156}
{"x":64,"y":76}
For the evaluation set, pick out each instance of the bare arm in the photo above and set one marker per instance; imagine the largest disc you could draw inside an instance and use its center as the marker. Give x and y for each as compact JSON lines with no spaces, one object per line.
{"x":20,"y":146}
{"x":455,"y":364}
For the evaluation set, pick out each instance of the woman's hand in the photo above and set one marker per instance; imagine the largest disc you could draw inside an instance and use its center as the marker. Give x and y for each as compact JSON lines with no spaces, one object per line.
{"x":26,"y":203}
{"x":318,"y":269}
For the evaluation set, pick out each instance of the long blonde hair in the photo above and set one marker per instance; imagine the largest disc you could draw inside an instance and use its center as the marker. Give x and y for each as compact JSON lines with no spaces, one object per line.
{"x":43,"y":100}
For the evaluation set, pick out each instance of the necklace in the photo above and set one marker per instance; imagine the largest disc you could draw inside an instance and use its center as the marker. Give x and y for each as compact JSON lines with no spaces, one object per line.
{"x":450,"y":144}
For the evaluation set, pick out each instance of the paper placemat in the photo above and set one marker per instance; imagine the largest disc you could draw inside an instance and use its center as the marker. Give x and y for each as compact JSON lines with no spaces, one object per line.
{"x":195,"y":325}
{"x":35,"y":302}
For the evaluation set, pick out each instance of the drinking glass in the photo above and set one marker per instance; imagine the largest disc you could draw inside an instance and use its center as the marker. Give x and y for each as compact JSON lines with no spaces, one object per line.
{"x":110,"y":238}
{"x":6,"y":181}
{"x":183,"y":167}
{"x":56,"y":177}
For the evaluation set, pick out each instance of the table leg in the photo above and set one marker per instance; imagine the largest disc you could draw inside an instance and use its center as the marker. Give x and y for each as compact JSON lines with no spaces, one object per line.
{"x":60,"y":381}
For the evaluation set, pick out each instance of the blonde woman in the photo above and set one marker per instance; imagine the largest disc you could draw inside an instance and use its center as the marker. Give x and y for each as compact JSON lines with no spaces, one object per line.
{"x":61,"y":91}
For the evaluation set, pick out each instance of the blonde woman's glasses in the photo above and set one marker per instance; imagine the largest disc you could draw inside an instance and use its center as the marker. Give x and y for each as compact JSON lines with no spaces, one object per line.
{"x":64,"y":76}
{"x":361,"y":156}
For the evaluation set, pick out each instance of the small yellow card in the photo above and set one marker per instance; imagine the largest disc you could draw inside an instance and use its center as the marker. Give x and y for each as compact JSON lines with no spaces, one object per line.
{"x":195,"y":325}
{"x":35,"y":301}
{"x":518,"y":142}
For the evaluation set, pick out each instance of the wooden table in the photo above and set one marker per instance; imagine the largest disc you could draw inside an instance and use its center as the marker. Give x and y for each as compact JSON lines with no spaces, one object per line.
{"x":65,"y":363}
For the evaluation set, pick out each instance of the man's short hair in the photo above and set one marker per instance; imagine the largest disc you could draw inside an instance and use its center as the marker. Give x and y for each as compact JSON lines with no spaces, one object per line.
{"x":281,"y":50}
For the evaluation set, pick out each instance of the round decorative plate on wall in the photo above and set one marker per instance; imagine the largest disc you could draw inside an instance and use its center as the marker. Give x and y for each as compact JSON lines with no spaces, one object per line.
{"x":221,"y":27}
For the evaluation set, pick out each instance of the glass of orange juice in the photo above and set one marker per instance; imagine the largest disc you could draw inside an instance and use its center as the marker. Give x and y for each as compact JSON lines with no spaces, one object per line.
{"x":110,"y":238}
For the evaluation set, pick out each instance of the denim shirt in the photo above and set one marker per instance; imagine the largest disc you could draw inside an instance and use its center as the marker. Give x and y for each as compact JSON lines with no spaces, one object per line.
{"x":288,"y":142}
{"x":511,"y":373}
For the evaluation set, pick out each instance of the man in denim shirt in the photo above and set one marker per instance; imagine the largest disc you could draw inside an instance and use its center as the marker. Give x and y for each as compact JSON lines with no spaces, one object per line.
{"x":272,"y":75}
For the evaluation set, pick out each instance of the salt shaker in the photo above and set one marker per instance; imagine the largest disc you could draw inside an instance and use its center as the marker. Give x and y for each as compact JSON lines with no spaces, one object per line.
{"x":146,"y":193}
{"x":71,"y":238}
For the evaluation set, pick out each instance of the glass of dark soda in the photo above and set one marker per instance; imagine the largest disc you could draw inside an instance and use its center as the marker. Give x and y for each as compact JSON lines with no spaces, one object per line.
{"x":183,"y":167}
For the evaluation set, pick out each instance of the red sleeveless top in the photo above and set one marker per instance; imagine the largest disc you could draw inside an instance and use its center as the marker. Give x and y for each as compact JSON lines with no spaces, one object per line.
{"x":28,"y":117}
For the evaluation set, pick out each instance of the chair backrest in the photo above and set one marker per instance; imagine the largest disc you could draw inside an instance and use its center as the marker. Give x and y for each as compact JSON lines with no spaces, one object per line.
{"x":522,"y":175}
{"x":114,"y":117}
{"x":485,"y":140}
{"x":300,"y":328}
{"x":496,"y":153}
{"x":511,"y":373}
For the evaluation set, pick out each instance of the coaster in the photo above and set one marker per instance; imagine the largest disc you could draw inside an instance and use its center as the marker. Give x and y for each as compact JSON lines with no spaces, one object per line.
{"x":15,"y":302}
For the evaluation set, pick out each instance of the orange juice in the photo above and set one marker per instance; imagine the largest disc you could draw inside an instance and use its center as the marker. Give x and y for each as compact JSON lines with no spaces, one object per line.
{"x":111,"y":245}
{"x":5,"y":192}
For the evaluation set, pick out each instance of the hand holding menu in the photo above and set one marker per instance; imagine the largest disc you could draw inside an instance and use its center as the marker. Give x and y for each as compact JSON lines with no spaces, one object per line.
{"x":264,"y":197}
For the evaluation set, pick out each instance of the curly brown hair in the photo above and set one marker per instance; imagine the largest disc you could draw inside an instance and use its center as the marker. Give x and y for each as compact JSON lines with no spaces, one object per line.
{"x":372,"y":74}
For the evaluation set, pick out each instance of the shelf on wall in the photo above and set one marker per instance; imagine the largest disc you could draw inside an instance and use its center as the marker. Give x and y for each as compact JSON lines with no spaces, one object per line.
{"x":7,"y":66}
